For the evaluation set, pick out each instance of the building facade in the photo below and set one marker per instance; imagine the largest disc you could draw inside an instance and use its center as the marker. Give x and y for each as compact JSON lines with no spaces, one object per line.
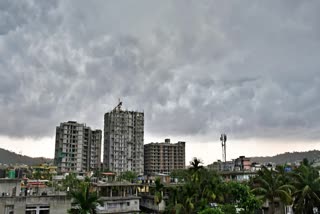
{"x":123,"y":141}
{"x":242,"y":163}
{"x":117,"y":197}
{"x":56,"y":204}
{"x":164,"y":157}
{"x":77,"y":148}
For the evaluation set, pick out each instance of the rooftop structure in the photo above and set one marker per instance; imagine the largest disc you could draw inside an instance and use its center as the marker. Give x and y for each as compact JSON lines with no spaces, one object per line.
{"x":242,"y":163}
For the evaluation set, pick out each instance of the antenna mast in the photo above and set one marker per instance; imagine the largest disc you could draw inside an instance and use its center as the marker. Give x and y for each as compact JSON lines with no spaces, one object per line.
{"x":223,"y":140}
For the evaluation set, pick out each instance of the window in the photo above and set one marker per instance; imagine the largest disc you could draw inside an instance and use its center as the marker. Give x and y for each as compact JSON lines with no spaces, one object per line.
{"x":112,"y":205}
{"x":38,"y":209}
{"x":9,"y":209}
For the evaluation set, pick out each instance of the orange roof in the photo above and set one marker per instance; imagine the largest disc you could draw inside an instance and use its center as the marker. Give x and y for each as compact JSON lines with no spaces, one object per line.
{"x":108,"y":173}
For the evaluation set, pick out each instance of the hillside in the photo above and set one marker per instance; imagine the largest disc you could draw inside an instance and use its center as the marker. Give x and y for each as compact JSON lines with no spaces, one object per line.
{"x":288,"y":157}
{"x":7,"y":157}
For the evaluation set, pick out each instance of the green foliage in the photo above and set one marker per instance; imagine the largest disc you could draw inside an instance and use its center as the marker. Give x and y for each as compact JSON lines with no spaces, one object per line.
{"x":300,"y":188}
{"x":212,"y":211}
{"x":70,"y":183}
{"x":128,"y":176}
{"x":271,"y":185}
{"x":307,"y":183}
{"x":97,"y":173}
{"x":158,"y":191}
{"x":228,"y":208}
{"x":241,"y":196}
{"x":85,"y":201}
{"x":195,"y":169}
{"x":180,"y":174}
{"x":36,"y":175}
{"x":201,"y":187}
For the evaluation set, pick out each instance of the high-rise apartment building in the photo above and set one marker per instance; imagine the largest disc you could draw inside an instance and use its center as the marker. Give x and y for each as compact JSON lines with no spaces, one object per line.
{"x":163,"y":157}
{"x":78,"y":148}
{"x":123,"y":141}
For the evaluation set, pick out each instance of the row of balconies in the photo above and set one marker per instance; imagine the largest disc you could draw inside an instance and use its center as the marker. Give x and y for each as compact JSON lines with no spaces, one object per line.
{"x":164,"y":161}
{"x":163,"y":165}
{"x":163,"y":152}
{"x":170,"y":166}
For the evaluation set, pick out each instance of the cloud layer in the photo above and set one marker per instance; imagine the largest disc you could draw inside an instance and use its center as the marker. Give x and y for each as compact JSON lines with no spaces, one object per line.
{"x":247,"y":68}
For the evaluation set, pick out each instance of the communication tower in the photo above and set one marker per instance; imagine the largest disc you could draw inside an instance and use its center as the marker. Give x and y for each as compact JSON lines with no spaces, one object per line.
{"x":223,"y":140}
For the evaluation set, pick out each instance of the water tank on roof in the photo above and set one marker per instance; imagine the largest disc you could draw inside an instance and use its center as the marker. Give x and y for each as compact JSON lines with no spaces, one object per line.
{"x":12,"y":173}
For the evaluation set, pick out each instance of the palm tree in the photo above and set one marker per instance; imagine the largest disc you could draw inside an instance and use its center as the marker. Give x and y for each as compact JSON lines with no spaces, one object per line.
{"x":182,"y":199}
{"x":70,"y":183}
{"x":188,"y":204}
{"x":307,"y":182}
{"x":271,"y":186}
{"x":208,"y":187}
{"x":195,"y":168}
{"x":85,"y":201}
{"x":195,"y":164}
{"x":175,"y":196}
{"x":158,"y":196}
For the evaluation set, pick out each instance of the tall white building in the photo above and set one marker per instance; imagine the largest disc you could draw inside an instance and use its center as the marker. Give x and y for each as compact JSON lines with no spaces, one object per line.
{"x":78,"y":148}
{"x":123,"y":141}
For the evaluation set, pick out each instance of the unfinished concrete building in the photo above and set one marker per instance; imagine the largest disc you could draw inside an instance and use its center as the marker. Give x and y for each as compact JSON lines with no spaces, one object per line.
{"x":123,"y":141}
{"x":163,"y":158}
{"x":78,"y":148}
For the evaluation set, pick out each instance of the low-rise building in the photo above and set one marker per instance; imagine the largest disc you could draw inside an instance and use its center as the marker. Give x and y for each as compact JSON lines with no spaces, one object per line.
{"x":56,"y":204}
{"x":15,"y":201}
{"x":44,"y":171}
{"x":118,"y":197}
{"x":239,"y":176}
{"x":10,"y":187}
{"x":242,"y":163}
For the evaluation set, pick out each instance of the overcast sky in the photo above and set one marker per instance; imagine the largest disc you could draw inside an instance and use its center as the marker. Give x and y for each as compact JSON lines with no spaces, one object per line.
{"x":196,"y":68}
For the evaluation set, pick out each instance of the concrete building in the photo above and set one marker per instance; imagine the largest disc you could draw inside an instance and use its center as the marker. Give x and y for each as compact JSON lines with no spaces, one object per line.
{"x":35,"y":204}
{"x":118,"y":197}
{"x":238,"y":176}
{"x":123,"y":141}
{"x":78,"y":148}
{"x":10,"y":187}
{"x":95,"y":149}
{"x":221,"y":166}
{"x":242,"y":163}
{"x":15,"y":199}
{"x":164,"y":157}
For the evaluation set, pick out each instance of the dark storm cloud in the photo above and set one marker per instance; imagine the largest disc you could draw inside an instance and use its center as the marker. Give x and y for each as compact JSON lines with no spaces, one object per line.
{"x":194,"y":68}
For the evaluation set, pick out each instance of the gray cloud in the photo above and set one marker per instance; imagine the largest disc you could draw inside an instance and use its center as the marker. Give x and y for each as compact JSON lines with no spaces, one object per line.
{"x":194,"y":68}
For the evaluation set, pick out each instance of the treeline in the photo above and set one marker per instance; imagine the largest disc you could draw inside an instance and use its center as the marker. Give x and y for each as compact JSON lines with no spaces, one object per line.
{"x":205,"y":192}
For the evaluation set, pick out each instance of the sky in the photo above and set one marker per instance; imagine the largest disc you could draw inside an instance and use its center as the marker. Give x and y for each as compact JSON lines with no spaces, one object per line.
{"x":196,"y":69}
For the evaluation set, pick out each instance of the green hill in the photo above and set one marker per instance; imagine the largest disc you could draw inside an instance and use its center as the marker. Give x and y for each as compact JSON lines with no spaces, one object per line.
{"x":8,"y":157}
{"x":288,"y":157}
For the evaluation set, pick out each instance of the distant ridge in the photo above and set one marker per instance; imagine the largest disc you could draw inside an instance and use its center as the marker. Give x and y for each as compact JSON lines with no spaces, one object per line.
{"x":288,"y":157}
{"x":7,"y":157}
